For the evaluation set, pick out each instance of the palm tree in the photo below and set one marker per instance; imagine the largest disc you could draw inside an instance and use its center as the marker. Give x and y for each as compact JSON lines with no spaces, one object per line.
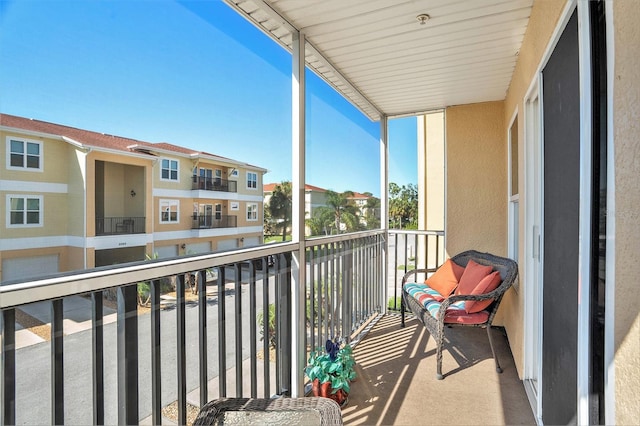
{"x":372,"y":213}
{"x":343,"y":209}
{"x":322,"y":216}
{"x":280,"y":207}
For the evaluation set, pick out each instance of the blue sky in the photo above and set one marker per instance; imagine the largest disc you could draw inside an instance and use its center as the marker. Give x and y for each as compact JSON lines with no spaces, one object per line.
{"x":194,"y":74}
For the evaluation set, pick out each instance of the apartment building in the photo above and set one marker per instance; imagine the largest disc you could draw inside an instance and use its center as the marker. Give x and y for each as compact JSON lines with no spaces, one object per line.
{"x":75,"y":199}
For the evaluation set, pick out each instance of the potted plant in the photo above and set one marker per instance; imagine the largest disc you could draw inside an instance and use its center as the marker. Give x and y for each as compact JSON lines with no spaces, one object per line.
{"x":331,"y":369}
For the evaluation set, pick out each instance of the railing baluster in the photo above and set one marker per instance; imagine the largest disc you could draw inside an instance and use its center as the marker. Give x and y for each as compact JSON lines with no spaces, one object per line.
{"x":252,"y":322}
{"x":265,"y":327}
{"x":97,"y":343}
{"x":156,"y":371}
{"x":181,"y":355}
{"x":202,"y":336}
{"x":57,"y":362}
{"x":278,"y":331}
{"x":285,"y":384}
{"x":238,"y":327}
{"x":8,"y":360}
{"x":325,"y":287}
{"x":222,"y":334}
{"x":127,"y":354}
{"x":311,"y":298}
{"x":331,"y":285}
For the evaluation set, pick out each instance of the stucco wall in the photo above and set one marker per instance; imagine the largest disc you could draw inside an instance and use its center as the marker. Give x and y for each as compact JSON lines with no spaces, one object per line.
{"x":476,"y":173}
{"x":626,"y":132}
{"x":544,"y":18}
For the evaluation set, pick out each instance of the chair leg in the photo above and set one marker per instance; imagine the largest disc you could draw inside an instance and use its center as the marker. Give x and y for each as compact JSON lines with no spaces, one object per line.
{"x":401,"y":310}
{"x":439,"y":344}
{"x":495,"y":357}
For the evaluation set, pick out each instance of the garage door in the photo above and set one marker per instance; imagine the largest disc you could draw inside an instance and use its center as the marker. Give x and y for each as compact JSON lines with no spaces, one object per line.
{"x":29,"y":267}
{"x":251,"y":241}
{"x":198,"y":248}
{"x":166,"y":251}
{"x":227,"y":244}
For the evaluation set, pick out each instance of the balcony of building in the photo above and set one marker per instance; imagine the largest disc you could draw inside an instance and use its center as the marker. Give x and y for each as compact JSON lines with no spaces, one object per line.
{"x":120,"y":225}
{"x":204,"y":183}
{"x":147,"y":357}
{"x":137,"y":368}
{"x":212,"y":221}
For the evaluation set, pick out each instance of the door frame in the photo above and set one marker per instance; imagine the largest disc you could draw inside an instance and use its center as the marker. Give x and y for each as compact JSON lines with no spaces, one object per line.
{"x":584,"y":265}
{"x":533,"y":244}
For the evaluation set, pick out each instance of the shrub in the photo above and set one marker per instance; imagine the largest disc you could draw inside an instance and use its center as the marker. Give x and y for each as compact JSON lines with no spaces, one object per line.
{"x":394,"y":303}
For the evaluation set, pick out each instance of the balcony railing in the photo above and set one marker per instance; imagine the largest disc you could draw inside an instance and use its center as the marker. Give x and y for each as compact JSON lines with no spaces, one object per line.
{"x":412,"y":249}
{"x":212,"y":221}
{"x":120,"y":225}
{"x":214,"y":184}
{"x":141,"y":362}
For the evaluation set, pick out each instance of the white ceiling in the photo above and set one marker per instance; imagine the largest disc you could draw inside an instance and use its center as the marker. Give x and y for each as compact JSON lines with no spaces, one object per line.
{"x":384,"y":61}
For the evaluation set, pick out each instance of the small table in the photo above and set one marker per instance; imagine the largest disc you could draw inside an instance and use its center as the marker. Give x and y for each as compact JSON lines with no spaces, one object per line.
{"x":281,"y":411}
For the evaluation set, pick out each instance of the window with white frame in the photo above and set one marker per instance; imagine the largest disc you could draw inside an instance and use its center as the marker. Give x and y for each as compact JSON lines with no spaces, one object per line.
{"x":24,"y":210}
{"x":169,"y":211}
{"x":169,"y":169}
{"x":218,"y":211}
{"x":233,"y":173}
{"x":24,"y":154}
{"x":252,"y":180}
{"x":252,"y":211}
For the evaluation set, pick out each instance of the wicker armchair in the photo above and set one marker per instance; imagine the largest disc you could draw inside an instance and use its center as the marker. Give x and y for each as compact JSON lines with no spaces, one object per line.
{"x":508,"y":272}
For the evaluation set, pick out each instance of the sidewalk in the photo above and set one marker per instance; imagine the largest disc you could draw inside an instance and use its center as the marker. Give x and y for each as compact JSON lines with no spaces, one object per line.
{"x":33,"y":321}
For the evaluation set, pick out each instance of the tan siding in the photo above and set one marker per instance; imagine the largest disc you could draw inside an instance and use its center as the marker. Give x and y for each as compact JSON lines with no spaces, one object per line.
{"x":626,"y":119}
{"x":476,"y":178}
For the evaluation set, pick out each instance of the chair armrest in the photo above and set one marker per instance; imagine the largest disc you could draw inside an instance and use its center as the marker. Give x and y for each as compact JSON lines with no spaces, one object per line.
{"x":414,"y":272}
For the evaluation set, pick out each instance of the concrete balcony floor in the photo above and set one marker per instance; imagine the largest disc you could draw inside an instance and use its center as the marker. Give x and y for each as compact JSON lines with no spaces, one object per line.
{"x":396,"y":383}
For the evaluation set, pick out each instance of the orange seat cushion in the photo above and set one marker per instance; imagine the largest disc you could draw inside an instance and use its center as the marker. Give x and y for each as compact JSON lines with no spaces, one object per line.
{"x":486,"y":285}
{"x":446,"y":278}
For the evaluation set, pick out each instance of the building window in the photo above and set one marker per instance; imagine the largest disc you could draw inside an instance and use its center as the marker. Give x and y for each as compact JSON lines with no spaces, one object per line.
{"x":233,"y":173}
{"x":252,"y":211}
{"x":169,"y":211}
{"x":24,"y":211}
{"x":24,"y":154}
{"x":169,"y":169}
{"x":252,"y":180}
{"x":218,"y":211}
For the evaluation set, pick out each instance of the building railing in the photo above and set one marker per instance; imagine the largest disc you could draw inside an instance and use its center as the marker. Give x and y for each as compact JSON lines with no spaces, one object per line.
{"x":412,"y":249}
{"x":213,"y":184}
{"x":212,"y":221}
{"x":120,"y":225}
{"x":138,"y":364}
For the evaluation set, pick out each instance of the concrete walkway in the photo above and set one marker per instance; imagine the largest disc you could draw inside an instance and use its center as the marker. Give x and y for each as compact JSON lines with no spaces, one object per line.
{"x":396,"y":382}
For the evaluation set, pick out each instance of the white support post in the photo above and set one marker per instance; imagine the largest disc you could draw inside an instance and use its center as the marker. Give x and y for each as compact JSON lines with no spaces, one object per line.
{"x":298,"y":264}
{"x":384,"y":206}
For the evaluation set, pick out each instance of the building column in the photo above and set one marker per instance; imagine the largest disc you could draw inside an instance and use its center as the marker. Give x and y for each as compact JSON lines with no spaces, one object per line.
{"x":298,"y":265}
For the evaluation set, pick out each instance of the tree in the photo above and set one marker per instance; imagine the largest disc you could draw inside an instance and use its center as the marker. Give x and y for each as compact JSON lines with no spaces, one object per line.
{"x":344,"y":210}
{"x":403,"y":206}
{"x":321,"y":221}
{"x":280,"y":207}
{"x":372,"y":213}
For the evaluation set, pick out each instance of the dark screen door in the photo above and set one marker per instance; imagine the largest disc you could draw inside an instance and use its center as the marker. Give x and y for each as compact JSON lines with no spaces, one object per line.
{"x":561,"y":117}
